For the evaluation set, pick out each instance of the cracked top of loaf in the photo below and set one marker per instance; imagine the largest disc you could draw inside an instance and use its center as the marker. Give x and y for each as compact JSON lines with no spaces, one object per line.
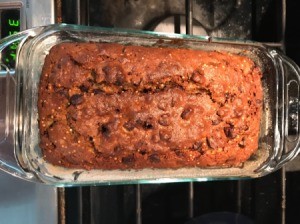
{"x":111,"y":106}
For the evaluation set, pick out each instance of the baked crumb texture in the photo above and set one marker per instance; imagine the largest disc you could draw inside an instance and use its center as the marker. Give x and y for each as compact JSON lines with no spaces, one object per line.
{"x":110,"y":106}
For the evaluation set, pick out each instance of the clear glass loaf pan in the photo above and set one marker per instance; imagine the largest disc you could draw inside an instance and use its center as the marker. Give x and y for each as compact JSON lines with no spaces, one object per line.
{"x":21,"y":156}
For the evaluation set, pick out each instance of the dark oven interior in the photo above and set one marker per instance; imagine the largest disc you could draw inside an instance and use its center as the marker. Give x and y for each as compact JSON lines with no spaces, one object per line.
{"x":271,"y":199}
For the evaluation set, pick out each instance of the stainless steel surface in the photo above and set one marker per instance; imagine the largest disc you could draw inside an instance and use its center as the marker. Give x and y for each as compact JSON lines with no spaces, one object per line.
{"x":38,"y":13}
{"x":25,"y":202}
{"x":33,"y":12}
{"x":22,"y":201}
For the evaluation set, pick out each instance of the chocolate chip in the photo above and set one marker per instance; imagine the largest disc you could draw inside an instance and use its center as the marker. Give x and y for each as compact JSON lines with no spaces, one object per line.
{"x":97,"y":91}
{"x":197,"y":146}
{"x":76,"y":99}
{"x":253,"y":157}
{"x":146,"y":90}
{"x":119,"y":79}
{"x":187,"y":113}
{"x":94,"y":74}
{"x":165,"y":135}
{"x":63,"y":92}
{"x":128,"y":159}
{"x":226,"y":97}
{"x":118,"y":149}
{"x":76,"y":174}
{"x":146,"y":124}
{"x":113,"y":74}
{"x":154,"y":158}
{"x":164,"y":120}
{"x":229,"y":132}
{"x":129,"y":126}
{"x":107,"y":70}
{"x":84,"y":88}
{"x":211,"y":143}
{"x":229,"y":97}
{"x":105,"y":130}
{"x":46,"y":133}
{"x":143,"y":152}
{"x":179,"y":153}
{"x":173,"y":102}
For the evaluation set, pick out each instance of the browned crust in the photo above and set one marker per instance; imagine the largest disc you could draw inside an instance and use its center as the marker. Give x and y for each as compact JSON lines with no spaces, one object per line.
{"x":109,"y":106}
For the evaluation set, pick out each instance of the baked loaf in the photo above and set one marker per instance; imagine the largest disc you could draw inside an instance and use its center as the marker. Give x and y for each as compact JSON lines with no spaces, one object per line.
{"x":111,"y":106}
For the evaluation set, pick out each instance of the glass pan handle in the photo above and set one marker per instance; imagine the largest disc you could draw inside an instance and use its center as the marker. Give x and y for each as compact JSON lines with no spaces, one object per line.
{"x":291,"y":108}
{"x":8,"y":112}
{"x":4,"y":100}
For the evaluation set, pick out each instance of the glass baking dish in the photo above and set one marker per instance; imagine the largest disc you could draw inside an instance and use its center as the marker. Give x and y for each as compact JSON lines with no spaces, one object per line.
{"x":21,"y":156}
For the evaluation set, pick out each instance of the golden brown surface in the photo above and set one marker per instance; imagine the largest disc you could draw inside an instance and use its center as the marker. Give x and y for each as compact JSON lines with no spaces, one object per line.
{"x":111,"y":106}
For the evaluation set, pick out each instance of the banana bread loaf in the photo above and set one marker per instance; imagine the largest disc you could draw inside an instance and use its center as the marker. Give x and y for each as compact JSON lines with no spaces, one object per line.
{"x":111,"y":106}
